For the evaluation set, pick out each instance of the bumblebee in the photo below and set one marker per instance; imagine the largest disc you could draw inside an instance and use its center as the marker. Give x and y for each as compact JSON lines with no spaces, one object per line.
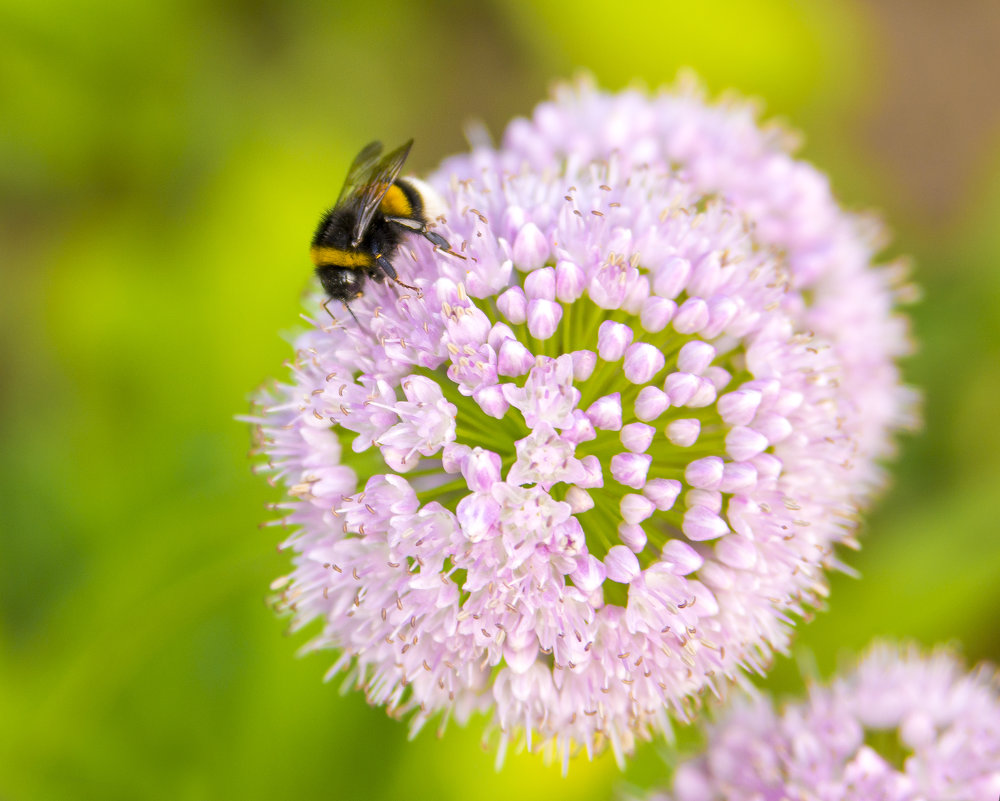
{"x":358,"y":237}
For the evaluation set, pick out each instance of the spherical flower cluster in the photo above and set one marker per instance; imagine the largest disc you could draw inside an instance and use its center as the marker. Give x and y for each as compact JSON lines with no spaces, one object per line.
{"x":602,"y":457}
{"x":900,"y":727}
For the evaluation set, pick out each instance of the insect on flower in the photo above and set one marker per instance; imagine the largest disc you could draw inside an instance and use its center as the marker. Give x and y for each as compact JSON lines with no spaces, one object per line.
{"x":598,"y":469}
{"x":357,"y":238}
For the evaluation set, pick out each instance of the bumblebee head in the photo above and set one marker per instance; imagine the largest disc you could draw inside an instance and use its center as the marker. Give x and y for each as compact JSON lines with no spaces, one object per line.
{"x":341,"y":283}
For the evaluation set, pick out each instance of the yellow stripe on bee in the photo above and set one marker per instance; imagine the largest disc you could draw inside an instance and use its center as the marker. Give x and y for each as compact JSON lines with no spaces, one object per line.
{"x":395,"y":204}
{"x":339,"y":257}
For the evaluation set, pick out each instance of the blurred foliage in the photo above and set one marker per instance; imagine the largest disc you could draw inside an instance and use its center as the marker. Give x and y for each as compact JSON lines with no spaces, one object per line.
{"x":161,"y":167}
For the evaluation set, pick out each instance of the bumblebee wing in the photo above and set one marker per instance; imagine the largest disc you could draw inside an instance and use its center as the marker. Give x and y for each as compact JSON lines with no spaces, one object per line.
{"x":375,"y":185}
{"x":361,"y":168}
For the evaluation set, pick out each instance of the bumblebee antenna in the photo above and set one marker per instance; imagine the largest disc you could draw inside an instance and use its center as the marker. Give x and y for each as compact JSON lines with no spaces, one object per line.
{"x":351,"y":312}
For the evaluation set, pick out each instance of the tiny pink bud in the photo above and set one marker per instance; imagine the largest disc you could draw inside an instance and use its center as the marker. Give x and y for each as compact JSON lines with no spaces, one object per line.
{"x":744,"y":443}
{"x":701,"y":524}
{"x":593,"y":476}
{"x":773,"y":426}
{"x":582,"y":429}
{"x":651,"y":403}
{"x":656,"y":313}
{"x":621,"y":564}
{"x":543,"y":317}
{"x":514,"y":358}
{"x":739,"y":511}
{"x":738,"y":408}
{"x":769,"y":388}
{"x":636,"y":294}
{"x":606,"y":412}
{"x":642,"y":362}
{"x":612,"y":339}
{"x":768,"y":466}
{"x":530,"y":248}
{"x":682,"y":556}
{"x":584,"y":362}
{"x":719,"y":376}
{"x":635,"y":508}
{"x":491,"y":400}
{"x":683,"y":433}
{"x":453,"y":456}
{"x":541,"y":284}
{"x":705,"y":473}
{"x":662,"y":492}
{"x":632,"y":536}
{"x":738,"y":477}
{"x":630,"y":469}
{"x":499,"y":333}
{"x":681,"y":387}
{"x":721,"y":312}
{"x":607,"y":288}
{"x":570,"y":281}
{"x":420,"y":389}
{"x":637,"y":437}
{"x":579,"y":499}
{"x":691,"y":317}
{"x":672,"y":277}
{"x":488,"y":279}
{"x":707,"y":277}
{"x":704,"y":395}
{"x":513,"y":305}
{"x":710,"y":499}
{"x":512,"y":221}
{"x":694,"y":357}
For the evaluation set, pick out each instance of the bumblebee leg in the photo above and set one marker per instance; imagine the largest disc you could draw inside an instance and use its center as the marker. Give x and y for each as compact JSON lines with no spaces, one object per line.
{"x":408,"y":223}
{"x":326,"y":308}
{"x":431,"y":236}
{"x":437,"y":240}
{"x":386,"y":266}
{"x":440,"y":243}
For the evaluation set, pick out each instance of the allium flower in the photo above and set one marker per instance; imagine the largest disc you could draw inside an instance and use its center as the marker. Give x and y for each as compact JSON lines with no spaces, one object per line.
{"x":600,"y":461}
{"x":900,"y":727}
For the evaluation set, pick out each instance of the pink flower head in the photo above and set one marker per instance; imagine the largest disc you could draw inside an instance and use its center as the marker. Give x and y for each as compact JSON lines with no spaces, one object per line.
{"x":599,"y":462}
{"x":900,"y":727}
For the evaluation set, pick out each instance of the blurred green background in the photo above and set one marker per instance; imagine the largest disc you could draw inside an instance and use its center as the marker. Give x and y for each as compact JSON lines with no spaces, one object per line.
{"x":162,"y":165}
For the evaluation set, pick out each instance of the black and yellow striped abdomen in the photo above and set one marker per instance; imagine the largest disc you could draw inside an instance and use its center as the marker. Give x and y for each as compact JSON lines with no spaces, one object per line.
{"x":325,"y":256}
{"x":402,"y":200}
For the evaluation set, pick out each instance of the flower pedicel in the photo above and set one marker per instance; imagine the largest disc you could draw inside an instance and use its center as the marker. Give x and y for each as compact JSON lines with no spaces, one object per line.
{"x":598,"y":466}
